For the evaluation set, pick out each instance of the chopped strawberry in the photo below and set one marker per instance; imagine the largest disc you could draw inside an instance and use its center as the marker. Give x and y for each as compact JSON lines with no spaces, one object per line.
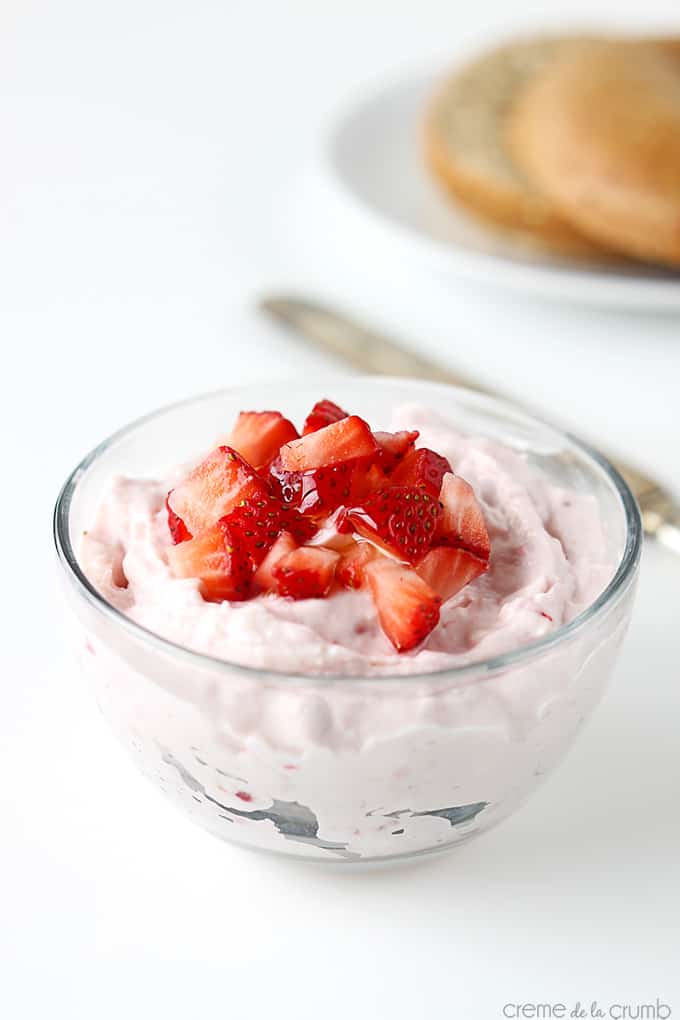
{"x":326,"y":489}
{"x":401,"y":520}
{"x":422,"y":467}
{"x":462,"y":523}
{"x":393,"y":447}
{"x":259,"y":435}
{"x":286,"y":484}
{"x":347,"y":439}
{"x":322,"y":490}
{"x":407,"y":607}
{"x":324,"y":412}
{"x":447,"y":570}
{"x":351,"y":568}
{"x":306,"y":573}
{"x":366,"y":482}
{"x":213,"y":488}
{"x":264,"y":578}
{"x":178,"y":529}
{"x":256,"y":523}
{"x":300,"y":515}
{"x":226,"y":556}
{"x":224,"y":571}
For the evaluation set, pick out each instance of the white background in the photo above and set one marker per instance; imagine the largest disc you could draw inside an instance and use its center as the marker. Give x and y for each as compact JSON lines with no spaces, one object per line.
{"x":157,"y":172}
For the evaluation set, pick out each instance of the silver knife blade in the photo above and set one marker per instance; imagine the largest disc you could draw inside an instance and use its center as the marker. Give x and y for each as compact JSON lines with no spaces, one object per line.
{"x":352,"y":342}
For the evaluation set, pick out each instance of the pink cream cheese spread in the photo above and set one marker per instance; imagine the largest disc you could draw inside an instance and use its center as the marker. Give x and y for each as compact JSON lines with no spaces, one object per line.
{"x":548,"y":562}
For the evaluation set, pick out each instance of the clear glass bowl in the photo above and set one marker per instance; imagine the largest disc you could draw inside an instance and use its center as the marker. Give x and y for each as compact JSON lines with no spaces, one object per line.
{"x":346,"y":769}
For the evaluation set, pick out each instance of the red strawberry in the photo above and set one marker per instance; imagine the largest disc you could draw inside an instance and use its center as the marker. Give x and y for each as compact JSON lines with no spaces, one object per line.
{"x":306,"y":573}
{"x":448,"y":570}
{"x":401,"y":520}
{"x":393,"y":447}
{"x":255,"y":524}
{"x":324,"y":412}
{"x":334,"y":484}
{"x":213,"y":488}
{"x":327,"y":488}
{"x":351,"y":568}
{"x":224,"y":571}
{"x":178,"y":529}
{"x":366,"y":482}
{"x":461,"y":523}
{"x":259,"y":435}
{"x":286,"y":484}
{"x":407,"y":607}
{"x":344,"y":440}
{"x":264,"y":578}
{"x":322,"y":490}
{"x":422,"y":467}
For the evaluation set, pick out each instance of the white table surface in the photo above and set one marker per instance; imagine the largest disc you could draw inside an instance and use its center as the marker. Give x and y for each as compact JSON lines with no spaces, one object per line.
{"x":157,"y":171}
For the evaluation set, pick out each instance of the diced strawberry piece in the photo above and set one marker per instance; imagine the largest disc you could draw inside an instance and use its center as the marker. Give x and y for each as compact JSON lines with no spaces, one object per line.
{"x":324,"y":412}
{"x":325,"y":489}
{"x":264,"y":578}
{"x":462,"y":523}
{"x":178,"y":529}
{"x":407,"y":607}
{"x":344,"y":440}
{"x":393,"y":447}
{"x":447,"y":570}
{"x":259,"y":435}
{"x":306,"y":573}
{"x":255,"y":524}
{"x":401,"y":520}
{"x":366,"y":482}
{"x":224,"y":571}
{"x":422,"y":467}
{"x":323,"y":509}
{"x":351,"y":568}
{"x":213,"y":488}
{"x":322,"y":490}
{"x":286,"y":484}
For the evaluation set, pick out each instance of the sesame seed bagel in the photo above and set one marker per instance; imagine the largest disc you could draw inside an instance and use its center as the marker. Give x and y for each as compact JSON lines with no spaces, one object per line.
{"x":465,"y":144}
{"x":598,"y":133}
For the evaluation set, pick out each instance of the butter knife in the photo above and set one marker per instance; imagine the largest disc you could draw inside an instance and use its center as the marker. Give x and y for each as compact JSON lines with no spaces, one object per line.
{"x":357,"y":345}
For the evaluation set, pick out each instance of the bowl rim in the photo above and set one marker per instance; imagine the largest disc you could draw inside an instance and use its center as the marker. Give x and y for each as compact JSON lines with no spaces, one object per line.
{"x":616,"y":587}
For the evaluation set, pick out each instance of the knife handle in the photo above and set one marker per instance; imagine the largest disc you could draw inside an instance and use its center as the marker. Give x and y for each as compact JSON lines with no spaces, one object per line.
{"x":348,"y":340}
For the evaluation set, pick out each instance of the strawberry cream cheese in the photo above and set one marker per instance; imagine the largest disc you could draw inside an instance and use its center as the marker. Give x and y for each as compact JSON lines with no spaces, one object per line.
{"x":365,"y":596}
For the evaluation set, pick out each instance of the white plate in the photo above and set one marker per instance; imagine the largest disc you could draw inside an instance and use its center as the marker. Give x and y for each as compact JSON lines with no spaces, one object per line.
{"x":374,"y":153}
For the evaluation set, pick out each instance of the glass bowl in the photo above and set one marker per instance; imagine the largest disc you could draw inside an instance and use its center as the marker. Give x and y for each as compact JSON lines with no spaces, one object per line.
{"x":334,"y":768}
